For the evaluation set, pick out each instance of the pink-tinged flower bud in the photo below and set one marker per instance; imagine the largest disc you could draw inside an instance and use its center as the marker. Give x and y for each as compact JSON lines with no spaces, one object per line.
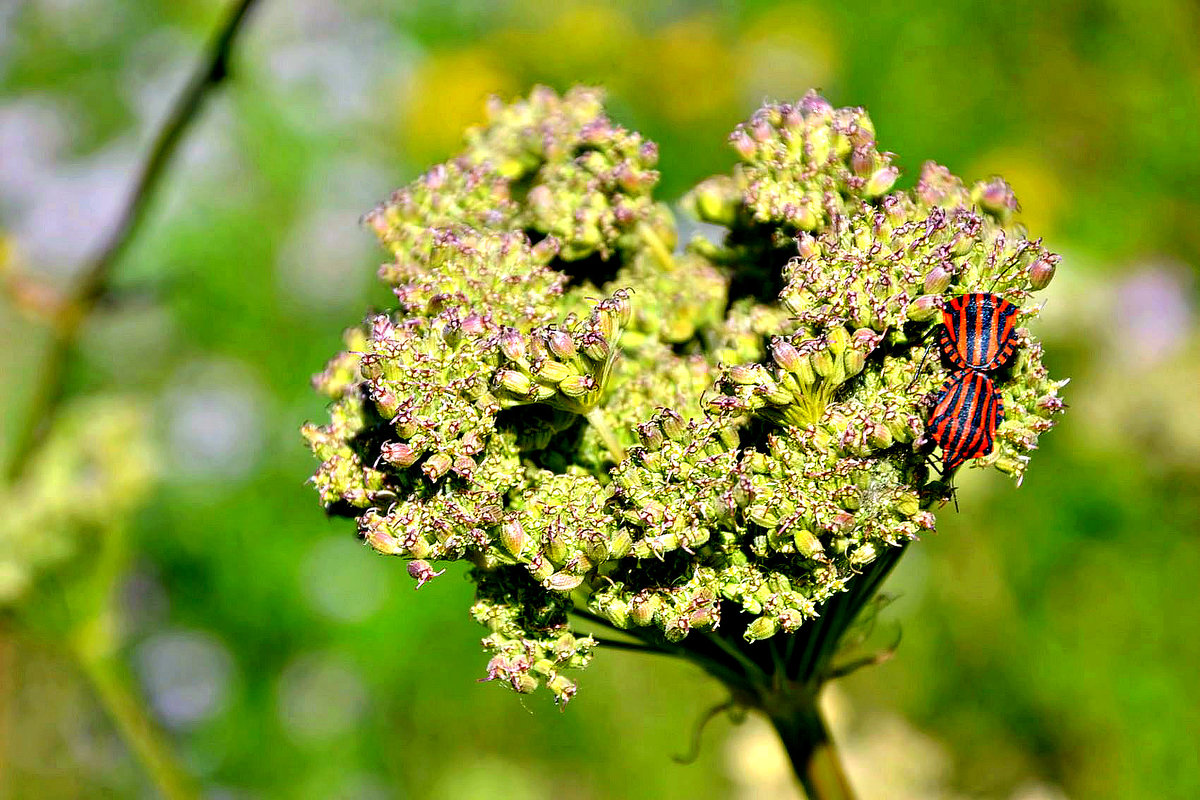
{"x":464,"y":467}
{"x":642,"y":610}
{"x":862,"y":161}
{"x":878,"y":436}
{"x":842,"y":522}
{"x":382,"y":327}
{"x":622,"y":306}
{"x":577,"y":385}
{"x":1050,"y":403}
{"x":512,"y":536}
{"x":650,"y":435}
{"x":745,"y":374}
{"x":807,"y":245}
{"x":813,"y":105}
{"x":785,"y":354}
{"x":398,"y":454}
{"x":882,"y":180}
{"x":1041,"y":272}
{"x":386,"y":401}
{"x":383,"y":542}
{"x":540,"y":198}
{"x":742,"y":143}
{"x":761,"y":129}
{"x":924,"y":308}
{"x":473,"y":324}
{"x":938,"y":279}
{"x":648,"y":153}
{"x":512,"y":344}
{"x":545,"y":250}
{"x":595,"y":346}
{"x":996,"y":197}
{"x":561,"y":344}
{"x":422,"y":572}
{"x":436,"y":466}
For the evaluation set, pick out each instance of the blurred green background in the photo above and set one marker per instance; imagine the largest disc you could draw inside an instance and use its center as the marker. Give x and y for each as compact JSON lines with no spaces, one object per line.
{"x":1051,"y":634}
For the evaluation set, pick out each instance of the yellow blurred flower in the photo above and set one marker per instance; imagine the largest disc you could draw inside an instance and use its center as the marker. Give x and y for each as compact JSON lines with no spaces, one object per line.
{"x":1037,"y":186}
{"x":445,"y":96}
{"x":690,"y":72}
{"x":588,"y":44}
{"x":786,"y":51}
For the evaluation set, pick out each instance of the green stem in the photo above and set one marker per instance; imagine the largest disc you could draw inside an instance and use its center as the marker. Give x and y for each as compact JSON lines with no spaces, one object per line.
{"x":658,"y":247}
{"x":135,"y":725}
{"x":812,"y":752}
{"x":616,"y":450}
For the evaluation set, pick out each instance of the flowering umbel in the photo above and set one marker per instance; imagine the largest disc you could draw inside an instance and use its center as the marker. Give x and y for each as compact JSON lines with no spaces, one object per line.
{"x":702,"y":448}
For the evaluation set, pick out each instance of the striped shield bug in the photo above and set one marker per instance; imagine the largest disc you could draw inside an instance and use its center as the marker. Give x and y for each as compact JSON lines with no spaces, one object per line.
{"x":978,"y":331}
{"x":965,"y":415}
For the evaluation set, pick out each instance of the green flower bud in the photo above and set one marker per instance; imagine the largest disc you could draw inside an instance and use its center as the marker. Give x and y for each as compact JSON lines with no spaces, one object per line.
{"x":672,"y":424}
{"x":551,"y":371}
{"x":575,"y":386}
{"x":807,"y":544}
{"x":514,"y":382}
{"x":436,"y":466}
{"x":761,"y":628}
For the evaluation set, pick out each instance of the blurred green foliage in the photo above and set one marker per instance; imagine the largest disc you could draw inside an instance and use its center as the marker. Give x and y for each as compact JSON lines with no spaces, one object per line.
{"x":1050,"y":632}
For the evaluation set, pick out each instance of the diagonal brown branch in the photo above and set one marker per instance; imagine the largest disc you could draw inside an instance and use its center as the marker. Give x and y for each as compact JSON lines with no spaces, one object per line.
{"x":50,"y":390}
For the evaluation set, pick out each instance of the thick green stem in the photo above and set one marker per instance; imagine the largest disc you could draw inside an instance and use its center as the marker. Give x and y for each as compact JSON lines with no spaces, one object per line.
{"x":812,"y":752}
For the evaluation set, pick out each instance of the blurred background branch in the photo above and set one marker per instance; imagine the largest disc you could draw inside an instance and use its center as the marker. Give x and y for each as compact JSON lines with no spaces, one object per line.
{"x":92,"y":286}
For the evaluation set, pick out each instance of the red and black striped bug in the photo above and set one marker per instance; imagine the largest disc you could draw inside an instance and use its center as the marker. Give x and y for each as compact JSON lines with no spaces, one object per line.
{"x":978,"y":331}
{"x":965,"y":416}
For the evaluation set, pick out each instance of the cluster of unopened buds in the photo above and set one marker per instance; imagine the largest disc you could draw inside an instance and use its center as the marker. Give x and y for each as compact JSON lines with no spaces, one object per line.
{"x":705,"y":446}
